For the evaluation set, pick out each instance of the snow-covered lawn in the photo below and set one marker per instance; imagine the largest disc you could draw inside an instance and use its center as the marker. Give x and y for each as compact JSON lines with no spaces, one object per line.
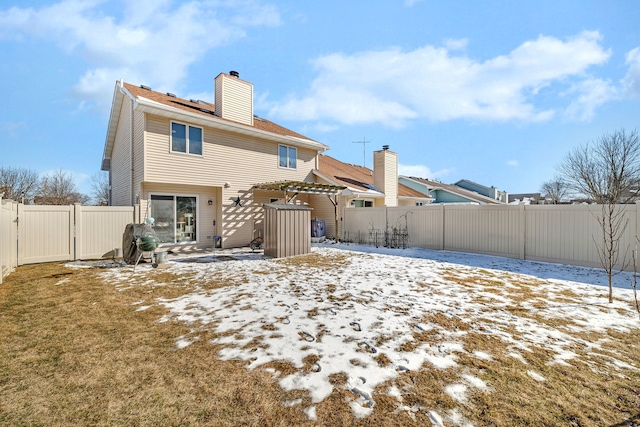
{"x":374,"y":314}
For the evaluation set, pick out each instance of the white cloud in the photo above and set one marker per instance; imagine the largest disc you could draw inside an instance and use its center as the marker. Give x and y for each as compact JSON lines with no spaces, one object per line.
{"x":422,"y":171}
{"x":153,"y":42}
{"x":394,"y":86}
{"x":14,"y":130}
{"x":589,"y":95}
{"x":631,"y":82}
{"x":456,"y":44}
{"x":513,"y":163}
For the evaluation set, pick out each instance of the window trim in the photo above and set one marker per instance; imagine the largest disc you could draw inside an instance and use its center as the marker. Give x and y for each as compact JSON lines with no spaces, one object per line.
{"x":288,"y":158}
{"x":187,"y":142}
{"x":175,"y":218}
{"x":364,"y":203}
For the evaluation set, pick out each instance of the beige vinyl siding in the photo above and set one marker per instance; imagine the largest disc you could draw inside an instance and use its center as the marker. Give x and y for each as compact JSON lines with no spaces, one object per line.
{"x":385,"y":176}
{"x":323,"y":209}
{"x":121,"y":159}
{"x":234,"y":99}
{"x":239,"y":160}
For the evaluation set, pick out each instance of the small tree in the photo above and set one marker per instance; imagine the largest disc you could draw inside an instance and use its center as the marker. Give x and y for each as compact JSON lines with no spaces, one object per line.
{"x":555,"y":190}
{"x":18,"y":184}
{"x":607,"y":172}
{"x":100,"y":188}
{"x":58,"y":188}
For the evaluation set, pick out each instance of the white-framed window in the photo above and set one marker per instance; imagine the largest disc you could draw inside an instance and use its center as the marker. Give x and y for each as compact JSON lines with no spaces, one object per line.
{"x":287,"y":157}
{"x":175,"y":217}
{"x":361,"y":203}
{"x":186,"y":139}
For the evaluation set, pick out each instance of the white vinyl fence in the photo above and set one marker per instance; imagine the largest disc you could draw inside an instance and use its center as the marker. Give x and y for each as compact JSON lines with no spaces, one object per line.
{"x":31,"y":234}
{"x":8,"y":237}
{"x":551,"y":233}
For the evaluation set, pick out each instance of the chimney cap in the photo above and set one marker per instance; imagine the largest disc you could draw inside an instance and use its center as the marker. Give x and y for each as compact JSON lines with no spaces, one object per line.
{"x":234,"y":74}
{"x":385,"y":147}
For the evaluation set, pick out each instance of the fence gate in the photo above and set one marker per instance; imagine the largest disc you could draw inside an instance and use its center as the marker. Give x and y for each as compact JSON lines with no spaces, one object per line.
{"x":45,"y":233}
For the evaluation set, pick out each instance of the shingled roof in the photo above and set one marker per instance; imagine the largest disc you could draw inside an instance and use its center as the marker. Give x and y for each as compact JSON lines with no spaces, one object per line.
{"x":206,"y":109}
{"x":357,"y":178}
{"x":452,"y":188}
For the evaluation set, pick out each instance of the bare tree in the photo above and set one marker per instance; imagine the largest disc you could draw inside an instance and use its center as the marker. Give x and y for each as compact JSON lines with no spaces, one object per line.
{"x":100,"y":188}
{"x":555,"y":190}
{"x":19,"y":184}
{"x":607,"y":172}
{"x":58,"y":188}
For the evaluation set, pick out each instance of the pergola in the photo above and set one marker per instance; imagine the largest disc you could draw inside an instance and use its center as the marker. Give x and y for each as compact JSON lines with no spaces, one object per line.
{"x":304,"y":187}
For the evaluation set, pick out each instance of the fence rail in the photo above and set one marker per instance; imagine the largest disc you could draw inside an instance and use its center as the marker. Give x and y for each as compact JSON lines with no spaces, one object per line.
{"x":551,"y":233}
{"x":32,"y":233}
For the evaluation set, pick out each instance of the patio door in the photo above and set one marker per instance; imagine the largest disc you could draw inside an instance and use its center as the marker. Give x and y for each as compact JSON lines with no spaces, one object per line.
{"x":175,"y":218}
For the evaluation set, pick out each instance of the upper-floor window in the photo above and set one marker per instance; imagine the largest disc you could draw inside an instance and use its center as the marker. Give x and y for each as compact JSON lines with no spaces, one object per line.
{"x":186,"y":139}
{"x":287,"y":157}
{"x":360,"y":203}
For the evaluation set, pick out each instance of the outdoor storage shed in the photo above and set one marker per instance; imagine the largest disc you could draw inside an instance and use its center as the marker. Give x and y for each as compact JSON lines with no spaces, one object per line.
{"x":287,"y":230}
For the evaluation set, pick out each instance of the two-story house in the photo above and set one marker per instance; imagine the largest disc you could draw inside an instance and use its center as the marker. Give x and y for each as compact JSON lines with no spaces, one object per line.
{"x":204,"y":171}
{"x":193,"y":166}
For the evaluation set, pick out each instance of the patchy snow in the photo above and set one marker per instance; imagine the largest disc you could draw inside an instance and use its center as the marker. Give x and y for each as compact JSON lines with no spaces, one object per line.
{"x":375,"y":303}
{"x":536,"y":376}
{"x":457,"y":392}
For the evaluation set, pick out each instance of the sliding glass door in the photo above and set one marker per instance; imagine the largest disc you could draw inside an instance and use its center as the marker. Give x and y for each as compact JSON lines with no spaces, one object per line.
{"x":175,"y":218}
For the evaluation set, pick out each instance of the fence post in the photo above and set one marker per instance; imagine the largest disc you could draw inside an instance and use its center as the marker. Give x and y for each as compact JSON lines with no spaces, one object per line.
{"x":77,"y":231}
{"x":522,"y":229}
{"x":441,"y":243}
{"x":637,"y":230}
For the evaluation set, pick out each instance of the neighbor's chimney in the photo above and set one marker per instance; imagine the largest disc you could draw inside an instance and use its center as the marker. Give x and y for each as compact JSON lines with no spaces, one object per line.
{"x":234,"y":98}
{"x":385,"y":174}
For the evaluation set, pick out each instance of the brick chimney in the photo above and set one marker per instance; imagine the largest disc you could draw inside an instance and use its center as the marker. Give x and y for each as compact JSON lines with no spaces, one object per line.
{"x":385,"y":174}
{"x":234,"y":98}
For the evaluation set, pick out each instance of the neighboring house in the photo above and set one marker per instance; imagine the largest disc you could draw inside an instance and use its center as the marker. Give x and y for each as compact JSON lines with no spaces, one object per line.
{"x":447,"y":193}
{"x":196,"y":167}
{"x":364,"y":187}
{"x":491,"y":192}
{"x":531,"y":198}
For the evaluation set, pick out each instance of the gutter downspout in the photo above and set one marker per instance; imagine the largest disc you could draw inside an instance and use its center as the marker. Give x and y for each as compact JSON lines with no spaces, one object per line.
{"x":133,"y":201}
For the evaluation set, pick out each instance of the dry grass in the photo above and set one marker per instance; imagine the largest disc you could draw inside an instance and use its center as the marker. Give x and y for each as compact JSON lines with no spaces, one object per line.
{"x":74,"y":351}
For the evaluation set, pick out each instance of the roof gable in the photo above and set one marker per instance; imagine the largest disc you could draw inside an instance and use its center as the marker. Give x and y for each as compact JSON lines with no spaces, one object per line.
{"x":454,"y":189}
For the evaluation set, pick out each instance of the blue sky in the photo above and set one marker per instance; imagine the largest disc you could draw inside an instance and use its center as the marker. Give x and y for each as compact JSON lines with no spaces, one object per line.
{"x":497,"y":92}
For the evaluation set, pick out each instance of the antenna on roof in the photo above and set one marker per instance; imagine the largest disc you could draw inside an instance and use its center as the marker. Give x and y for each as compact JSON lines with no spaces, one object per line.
{"x":364,"y":143}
